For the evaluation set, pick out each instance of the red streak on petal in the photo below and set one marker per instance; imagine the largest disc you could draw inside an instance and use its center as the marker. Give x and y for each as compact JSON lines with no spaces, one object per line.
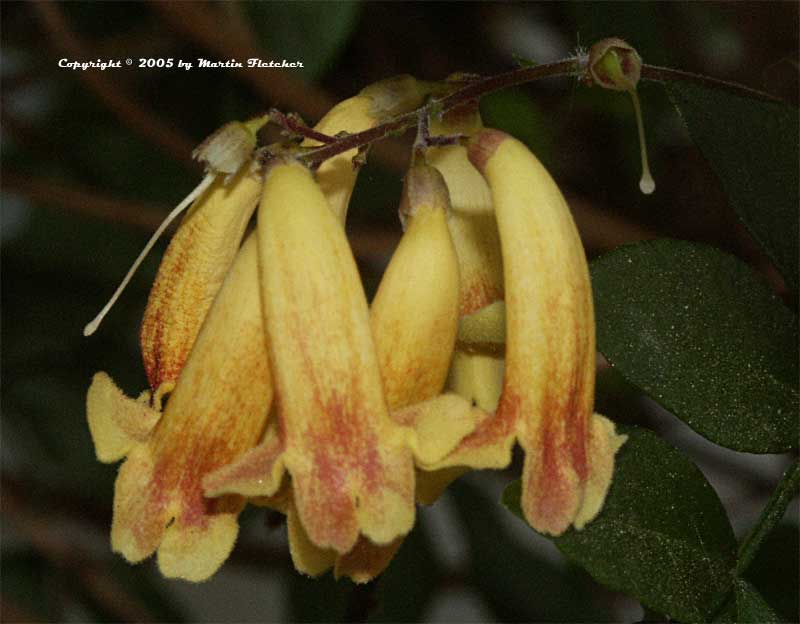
{"x":495,"y":428}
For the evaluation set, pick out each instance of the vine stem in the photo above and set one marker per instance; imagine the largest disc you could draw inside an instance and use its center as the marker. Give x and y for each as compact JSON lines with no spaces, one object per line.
{"x":471,"y":90}
{"x":773,"y":512}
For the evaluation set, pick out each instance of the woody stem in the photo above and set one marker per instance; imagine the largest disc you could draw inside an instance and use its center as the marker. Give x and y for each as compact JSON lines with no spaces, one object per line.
{"x":472,"y":90}
{"x":787,"y":489}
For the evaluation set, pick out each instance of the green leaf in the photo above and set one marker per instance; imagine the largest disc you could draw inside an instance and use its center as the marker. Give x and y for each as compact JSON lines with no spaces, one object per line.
{"x":313,"y":33}
{"x":775,"y":571}
{"x":751,"y":606}
{"x":519,"y":585}
{"x":705,"y":337}
{"x":752,"y":146}
{"x":663,"y":536}
{"x":746,"y":606}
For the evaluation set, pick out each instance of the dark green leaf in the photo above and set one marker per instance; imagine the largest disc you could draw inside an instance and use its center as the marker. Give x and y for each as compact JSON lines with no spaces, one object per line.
{"x":775,"y":571}
{"x":752,"y":146}
{"x":663,"y":536}
{"x":517,"y":584}
{"x":313,"y":33}
{"x":705,"y":337}
{"x":751,"y":606}
{"x":746,"y":606}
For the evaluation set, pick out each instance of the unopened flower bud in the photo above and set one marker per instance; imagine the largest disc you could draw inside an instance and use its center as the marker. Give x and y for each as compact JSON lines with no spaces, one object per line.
{"x":424,"y":190}
{"x":614,"y":64}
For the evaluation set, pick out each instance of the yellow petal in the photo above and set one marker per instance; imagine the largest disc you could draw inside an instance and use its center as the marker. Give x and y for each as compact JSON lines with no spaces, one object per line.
{"x":306,"y":556}
{"x":550,"y":348}
{"x":488,"y":446}
{"x":116,"y":421}
{"x":472,"y":224}
{"x":414,"y":317}
{"x":195,"y":552}
{"x":216,"y":412}
{"x":351,"y":470}
{"x":478,"y":377}
{"x":439,"y":425}
{"x":191,"y":273}
{"x":337,"y":175}
{"x":257,"y":473}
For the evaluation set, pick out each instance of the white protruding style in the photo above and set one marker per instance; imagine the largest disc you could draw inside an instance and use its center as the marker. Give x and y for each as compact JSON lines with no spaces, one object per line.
{"x":187,"y":201}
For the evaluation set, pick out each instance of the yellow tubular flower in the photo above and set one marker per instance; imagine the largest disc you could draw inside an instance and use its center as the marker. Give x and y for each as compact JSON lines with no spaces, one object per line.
{"x":414,"y":319}
{"x":548,"y":389}
{"x":188,"y":279}
{"x":351,"y":469}
{"x":191,"y":273}
{"x":352,"y":475}
{"x":414,"y":316}
{"x":216,"y":412}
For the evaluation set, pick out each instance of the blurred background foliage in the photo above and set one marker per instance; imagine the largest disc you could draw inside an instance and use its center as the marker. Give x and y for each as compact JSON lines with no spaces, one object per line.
{"x":91,"y":162}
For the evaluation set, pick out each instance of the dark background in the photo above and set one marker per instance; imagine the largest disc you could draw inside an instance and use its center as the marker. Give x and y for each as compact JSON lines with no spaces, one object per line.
{"x":92,"y":161}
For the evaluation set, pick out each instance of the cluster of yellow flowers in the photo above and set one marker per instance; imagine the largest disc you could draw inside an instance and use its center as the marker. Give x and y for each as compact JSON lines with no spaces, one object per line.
{"x":287,"y":390}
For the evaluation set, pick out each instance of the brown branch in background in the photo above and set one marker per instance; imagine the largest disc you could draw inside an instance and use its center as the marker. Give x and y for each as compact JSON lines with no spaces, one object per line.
{"x":601,"y":231}
{"x":369,"y":244}
{"x":130,"y":112}
{"x":70,"y":507}
{"x":83,"y":201}
{"x":49,"y":540}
